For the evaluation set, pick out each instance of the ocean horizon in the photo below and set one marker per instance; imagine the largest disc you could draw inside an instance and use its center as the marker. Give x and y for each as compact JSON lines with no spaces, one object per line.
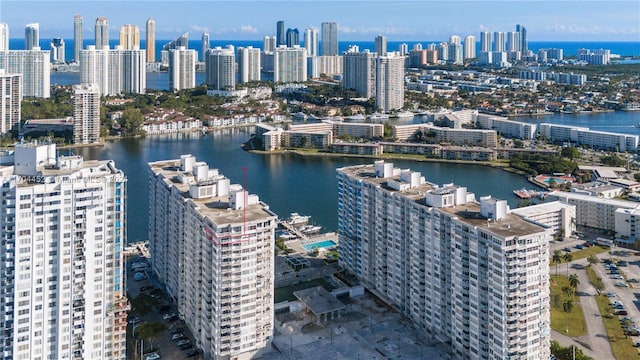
{"x":570,"y":48}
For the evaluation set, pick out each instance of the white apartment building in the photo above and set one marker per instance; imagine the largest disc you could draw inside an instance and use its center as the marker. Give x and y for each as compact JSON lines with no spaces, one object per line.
{"x":558,"y":216}
{"x":470,"y":273}
{"x":507,"y":128}
{"x":627,"y":225}
{"x":35,"y":67}
{"x":213,"y":249}
{"x":359,"y":69}
{"x":86,"y":114}
{"x":289,"y":64}
{"x":248,"y":64}
{"x":10,"y":101}
{"x":593,"y":211}
{"x":484,"y":138}
{"x":114,"y":71}
{"x":221,"y":68}
{"x":469,"y":47}
{"x":390,"y":82}
{"x":182,"y":68}
{"x":583,"y":136}
{"x":63,"y":230}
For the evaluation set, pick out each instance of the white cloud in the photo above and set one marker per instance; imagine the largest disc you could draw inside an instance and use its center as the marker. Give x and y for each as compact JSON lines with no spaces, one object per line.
{"x":198,"y":28}
{"x":247,"y":29}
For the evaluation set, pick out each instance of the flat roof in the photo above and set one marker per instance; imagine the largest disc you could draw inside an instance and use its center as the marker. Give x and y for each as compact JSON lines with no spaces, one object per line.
{"x":585,"y":197}
{"x":508,"y":226}
{"x":215,"y":208}
{"x":319,"y":300}
{"x":541,"y":208}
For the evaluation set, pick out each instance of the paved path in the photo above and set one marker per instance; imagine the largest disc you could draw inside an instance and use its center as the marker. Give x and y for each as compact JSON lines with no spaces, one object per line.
{"x":567,"y":341}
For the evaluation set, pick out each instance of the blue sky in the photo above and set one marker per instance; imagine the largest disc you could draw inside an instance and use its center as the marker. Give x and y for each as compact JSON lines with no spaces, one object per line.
{"x":552,"y":20}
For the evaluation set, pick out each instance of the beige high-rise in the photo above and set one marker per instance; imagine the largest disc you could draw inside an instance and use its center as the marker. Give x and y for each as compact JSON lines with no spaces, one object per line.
{"x":151,"y":40}
{"x":129,"y":37}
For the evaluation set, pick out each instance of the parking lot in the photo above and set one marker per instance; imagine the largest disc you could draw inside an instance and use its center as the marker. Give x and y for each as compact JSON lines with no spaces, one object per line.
{"x":151,"y":307}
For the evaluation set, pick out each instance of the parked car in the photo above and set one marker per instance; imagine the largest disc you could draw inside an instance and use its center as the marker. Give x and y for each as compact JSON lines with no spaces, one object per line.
{"x":617,"y":277}
{"x":178,"y":336}
{"x":587,"y":244}
{"x":633,"y":281}
{"x":169,"y":317}
{"x":637,"y":344}
{"x":567,"y":249}
{"x":192,"y":353}
{"x":176,"y":330}
{"x":185,"y":346}
{"x":621,"y":284}
{"x":579,"y":247}
{"x":152,"y":356}
{"x":610,"y":295}
{"x":183,"y":342}
{"x":622,"y":263}
{"x":140,"y":276}
{"x":622,"y":312}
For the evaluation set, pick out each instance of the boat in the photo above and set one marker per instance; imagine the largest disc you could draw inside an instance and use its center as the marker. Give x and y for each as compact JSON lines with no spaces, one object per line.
{"x":403,"y":115}
{"x":310,"y":229}
{"x":377,"y":117}
{"x":297,"y":219}
{"x":630,"y":107}
{"x":522,"y":193}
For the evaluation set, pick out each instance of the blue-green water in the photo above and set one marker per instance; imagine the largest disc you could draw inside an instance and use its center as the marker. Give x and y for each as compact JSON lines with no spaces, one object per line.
{"x":288,"y":183}
{"x":319,"y":245}
{"x":306,"y":185}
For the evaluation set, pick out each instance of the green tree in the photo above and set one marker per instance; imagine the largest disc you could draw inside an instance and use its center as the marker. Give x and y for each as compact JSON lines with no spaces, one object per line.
{"x":592,"y":259}
{"x":568,"y":290}
{"x":556,"y":259}
{"x":131,"y":123}
{"x":150,"y":331}
{"x":567,"y":258}
{"x":567,"y":306}
{"x":599,"y":285}
{"x":570,"y":152}
{"x":574,"y":281}
{"x":555,"y":300}
{"x":636,"y":176}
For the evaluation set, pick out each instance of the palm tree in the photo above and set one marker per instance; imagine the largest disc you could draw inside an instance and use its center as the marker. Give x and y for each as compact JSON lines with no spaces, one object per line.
{"x":593,"y":260}
{"x":567,"y":306}
{"x":574,"y":281}
{"x":557,"y":258}
{"x":568,"y":290}
{"x":599,"y":285}
{"x":567,"y":258}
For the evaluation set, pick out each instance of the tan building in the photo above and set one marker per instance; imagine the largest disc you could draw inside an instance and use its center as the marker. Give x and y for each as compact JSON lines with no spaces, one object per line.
{"x":130,"y":37}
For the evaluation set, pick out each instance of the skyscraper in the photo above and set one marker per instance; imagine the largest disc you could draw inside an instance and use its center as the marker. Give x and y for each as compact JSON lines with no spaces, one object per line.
{"x":311,"y":41}
{"x":213,"y":249}
{"x":206,"y":44}
{"x":57,"y":50}
{"x":359,"y":69}
{"x":151,"y":40}
{"x":454,"y":39}
{"x":440,"y":258}
{"x":290,"y":64}
{"x":513,"y":41}
{"x":470,"y":47}
{"x":329,"y":38}
{"x":86,"y":114}
{"x":220,"y":68}
{"x":403,"y":49}
{"x":180,"y":41}
{"x":381,"y":45}
{"x":4,"y":37}
{"x":114,"y":71}
{"x":485,"y":41}
{"x":248,"y":64}
{"x":281,"y":36}
{"x":455,"y":54}
{"x":102,"y":33}
{"x":524,"y":42}
{"x":499,"y":41}
{"x":268,"y":44}
{"x":390,"y":82}
{"x":293,"y":37}
{"x":130,"y":37}
{"x":10,"y":101}
{"x":32,"y":36}
{"x":35,"y":67}
{"x":77,"y":37}
{"x":62,"y":263}
{"x":182,"y":68}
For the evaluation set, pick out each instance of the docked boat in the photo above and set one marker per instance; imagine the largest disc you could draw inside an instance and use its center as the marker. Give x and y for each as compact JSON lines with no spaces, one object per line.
{"x":522,"y":193}
{"x":377,"y":117}
{"x":403,"y":115}
{"x":630,"y":107}
{"x":297,"y":219}
{"x":310,"y":229}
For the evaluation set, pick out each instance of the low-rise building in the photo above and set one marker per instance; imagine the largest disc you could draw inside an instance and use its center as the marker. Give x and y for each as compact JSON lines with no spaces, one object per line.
{"x":558,"y":216}
{"x":593,"y":211}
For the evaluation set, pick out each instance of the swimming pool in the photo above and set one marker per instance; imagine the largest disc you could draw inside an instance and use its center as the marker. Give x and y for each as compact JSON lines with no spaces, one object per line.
{"x":319,"y":245}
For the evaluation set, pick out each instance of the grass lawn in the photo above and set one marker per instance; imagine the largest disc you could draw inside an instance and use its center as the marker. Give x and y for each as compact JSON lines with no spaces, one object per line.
{"x":580,"y":254}
{"x":559,"y":319}
{"x":621,"y":345}
{"x":286,"y":292}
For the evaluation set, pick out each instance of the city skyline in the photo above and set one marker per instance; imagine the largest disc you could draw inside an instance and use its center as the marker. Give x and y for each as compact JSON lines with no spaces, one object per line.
{"x":407,"y":20}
